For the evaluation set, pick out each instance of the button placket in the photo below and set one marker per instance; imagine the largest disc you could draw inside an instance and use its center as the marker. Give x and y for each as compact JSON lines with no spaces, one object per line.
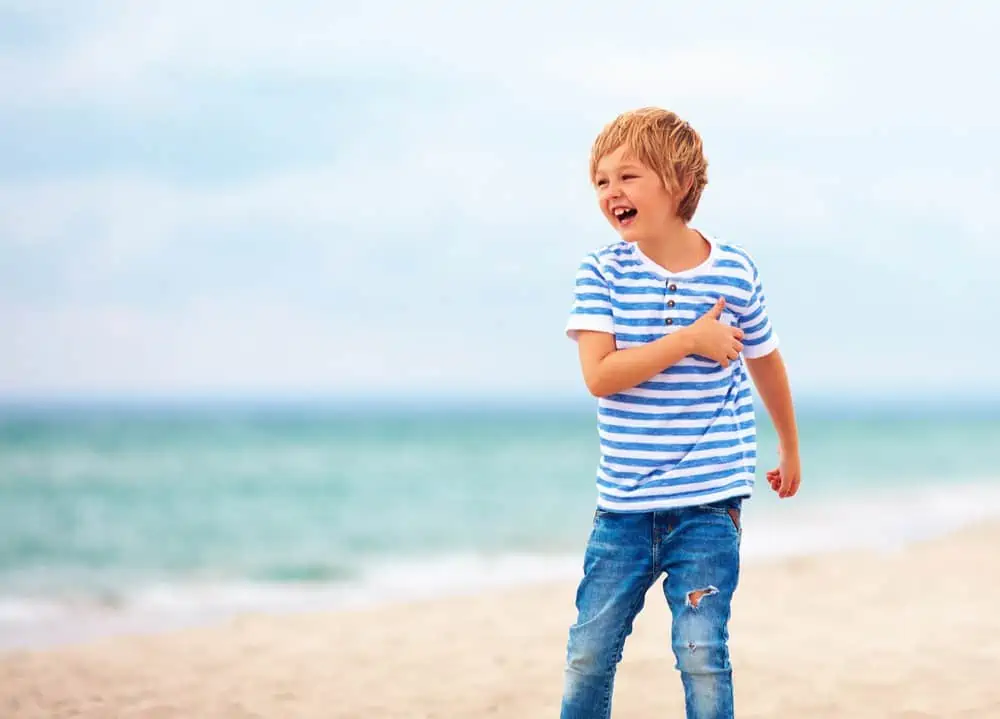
{"x":671,"y":287}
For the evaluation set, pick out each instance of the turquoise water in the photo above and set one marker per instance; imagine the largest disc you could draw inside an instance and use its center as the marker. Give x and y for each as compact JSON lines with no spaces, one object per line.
{"x":178,"y":508}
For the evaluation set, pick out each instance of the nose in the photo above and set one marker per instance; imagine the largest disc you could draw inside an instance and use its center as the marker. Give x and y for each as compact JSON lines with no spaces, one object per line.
{"x":612,"y":190}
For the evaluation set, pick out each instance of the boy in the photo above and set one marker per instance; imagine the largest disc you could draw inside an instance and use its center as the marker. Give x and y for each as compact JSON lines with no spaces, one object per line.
{"x":668,"y":322}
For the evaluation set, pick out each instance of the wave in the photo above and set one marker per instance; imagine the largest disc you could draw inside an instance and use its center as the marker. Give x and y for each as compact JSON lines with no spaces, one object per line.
{"x":880,"y":519}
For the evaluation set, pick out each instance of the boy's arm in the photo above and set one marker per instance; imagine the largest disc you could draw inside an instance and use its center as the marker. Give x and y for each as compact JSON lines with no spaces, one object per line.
{"x":771,"y":380}
{"x":608,"y":370}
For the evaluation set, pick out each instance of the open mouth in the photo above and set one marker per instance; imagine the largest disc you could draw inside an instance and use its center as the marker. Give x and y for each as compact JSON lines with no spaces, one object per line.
{"x":624,"y":214}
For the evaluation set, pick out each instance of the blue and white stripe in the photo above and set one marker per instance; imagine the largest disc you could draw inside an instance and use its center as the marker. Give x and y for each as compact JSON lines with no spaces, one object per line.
{"x":687,"y":436}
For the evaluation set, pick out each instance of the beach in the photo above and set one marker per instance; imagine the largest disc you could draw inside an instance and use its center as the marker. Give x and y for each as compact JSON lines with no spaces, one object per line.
{"x":906,"y":632}
{"x":294,"y":420}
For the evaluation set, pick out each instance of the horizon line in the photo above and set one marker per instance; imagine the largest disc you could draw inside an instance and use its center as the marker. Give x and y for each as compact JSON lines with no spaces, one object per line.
{"x":856,"y":400}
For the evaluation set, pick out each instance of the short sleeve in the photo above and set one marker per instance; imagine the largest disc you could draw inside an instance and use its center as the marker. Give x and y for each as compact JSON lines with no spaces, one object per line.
{"x":592,"y":301}
{"x":759,"y":338}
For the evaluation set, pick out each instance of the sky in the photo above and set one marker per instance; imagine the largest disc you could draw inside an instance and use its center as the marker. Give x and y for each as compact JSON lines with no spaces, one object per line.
{"x":391,"y":198}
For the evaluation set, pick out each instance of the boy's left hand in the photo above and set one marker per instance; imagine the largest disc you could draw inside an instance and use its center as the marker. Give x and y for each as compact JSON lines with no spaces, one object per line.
{"x":786,"y":478}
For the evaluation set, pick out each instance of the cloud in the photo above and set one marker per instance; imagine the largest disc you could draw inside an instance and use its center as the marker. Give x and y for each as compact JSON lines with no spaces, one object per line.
{"x":393,"y":195}
{"x":236,"y":344}
{"x":597,"y":58}
{"x":752,"y":77}
{"x":945,"y":196}
{"x":149,"y":54}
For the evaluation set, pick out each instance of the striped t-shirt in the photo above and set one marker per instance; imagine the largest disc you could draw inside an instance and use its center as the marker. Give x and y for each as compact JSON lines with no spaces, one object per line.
{"x":686,"y":436}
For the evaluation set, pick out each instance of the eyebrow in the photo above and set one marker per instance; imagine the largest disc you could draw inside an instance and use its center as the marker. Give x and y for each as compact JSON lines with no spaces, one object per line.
{"x":620,"y":168}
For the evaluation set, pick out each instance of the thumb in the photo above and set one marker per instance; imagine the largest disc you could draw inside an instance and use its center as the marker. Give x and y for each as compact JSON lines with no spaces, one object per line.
{"x":716,"y":311}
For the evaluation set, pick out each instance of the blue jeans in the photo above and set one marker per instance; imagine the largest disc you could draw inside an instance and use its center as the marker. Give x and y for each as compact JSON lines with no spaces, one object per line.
{"x":699,"y":550}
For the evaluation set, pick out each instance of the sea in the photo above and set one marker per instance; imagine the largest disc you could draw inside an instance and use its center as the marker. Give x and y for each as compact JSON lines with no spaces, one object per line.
{"x":148,"y":516}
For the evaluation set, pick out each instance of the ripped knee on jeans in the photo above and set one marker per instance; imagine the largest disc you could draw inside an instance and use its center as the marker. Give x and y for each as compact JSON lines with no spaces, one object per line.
{"x":695,"y":596}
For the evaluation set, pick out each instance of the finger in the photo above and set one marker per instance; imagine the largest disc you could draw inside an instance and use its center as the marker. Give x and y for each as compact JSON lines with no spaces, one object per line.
{"x":787,"y":483}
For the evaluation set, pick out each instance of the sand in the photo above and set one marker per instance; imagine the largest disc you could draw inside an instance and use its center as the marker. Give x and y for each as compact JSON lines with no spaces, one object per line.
{"x":909,"y":633}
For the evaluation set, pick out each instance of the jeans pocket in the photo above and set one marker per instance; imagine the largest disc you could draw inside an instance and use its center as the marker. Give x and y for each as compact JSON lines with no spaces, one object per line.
{"x":733,"y":513}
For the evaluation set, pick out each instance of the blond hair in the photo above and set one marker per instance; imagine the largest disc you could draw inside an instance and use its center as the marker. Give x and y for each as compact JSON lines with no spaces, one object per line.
{"x":663,"y":142}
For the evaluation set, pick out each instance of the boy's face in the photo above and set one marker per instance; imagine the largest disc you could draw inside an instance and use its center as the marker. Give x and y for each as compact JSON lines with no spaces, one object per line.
{"x":632,"y":197}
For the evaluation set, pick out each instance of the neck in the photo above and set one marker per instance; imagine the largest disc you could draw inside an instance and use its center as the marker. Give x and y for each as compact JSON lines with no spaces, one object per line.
{"x":676,"y":246}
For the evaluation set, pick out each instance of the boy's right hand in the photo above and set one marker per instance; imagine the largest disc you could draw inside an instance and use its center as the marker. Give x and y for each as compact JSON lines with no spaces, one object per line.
{"x":713,"y":339}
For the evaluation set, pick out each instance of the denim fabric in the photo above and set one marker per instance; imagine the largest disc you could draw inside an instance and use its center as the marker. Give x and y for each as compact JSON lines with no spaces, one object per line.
{"x":698,"y":549}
